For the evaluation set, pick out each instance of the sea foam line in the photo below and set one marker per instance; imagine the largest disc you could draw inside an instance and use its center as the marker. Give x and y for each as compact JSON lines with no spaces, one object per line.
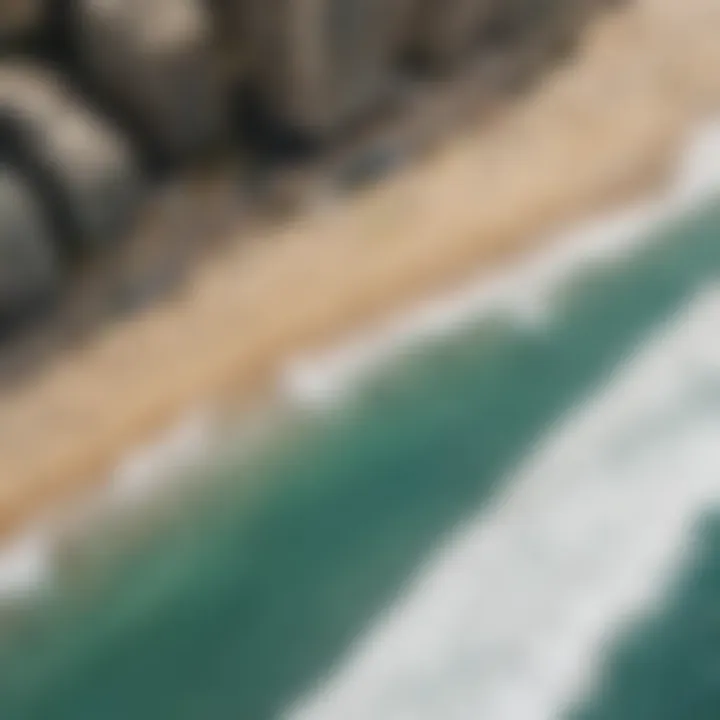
{"x":511,"y":619}
{"x":524,"y":292}
{"x":26,"y":561}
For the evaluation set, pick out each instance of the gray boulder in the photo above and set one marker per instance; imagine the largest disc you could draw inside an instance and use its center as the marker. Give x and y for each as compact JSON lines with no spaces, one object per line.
{"x":442,"y":32}
{"x":230,"y":29}
{"x":28,"y":265}
{"x":156,"y":60}
{"x":525,"y":16}
{"x":19,"y":18}
{"x":83,"y":166}
{"x":318,"y":64}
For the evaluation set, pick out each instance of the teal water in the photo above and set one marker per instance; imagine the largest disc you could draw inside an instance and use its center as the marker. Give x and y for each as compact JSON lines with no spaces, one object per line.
{"x":669,"y":666}
{"x":270,"y":573}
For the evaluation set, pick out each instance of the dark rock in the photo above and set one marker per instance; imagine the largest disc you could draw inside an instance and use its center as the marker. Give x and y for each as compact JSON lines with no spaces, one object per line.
{"x":141,"y":291}
{"x":19,"y":19}
{"x":522,"y":17}
{"x":156,"y":61}
{"x":370,"y":166}
{"x":442,"y":32}
{"x":29,"y":269}
{"x":82,"y":167}
{"x":320,"y":64}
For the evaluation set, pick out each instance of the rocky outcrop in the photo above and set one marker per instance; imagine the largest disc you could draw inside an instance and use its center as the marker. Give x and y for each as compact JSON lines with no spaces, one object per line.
{"x":442,"y":32}
{"x":155,"y":60}
{"x":28,"y":263}
{"x":523,"y":17}
{"x":81,"y":165}
{"x":318,"y":63}
{"x":155,"y":79}
{"x":18,"y":19}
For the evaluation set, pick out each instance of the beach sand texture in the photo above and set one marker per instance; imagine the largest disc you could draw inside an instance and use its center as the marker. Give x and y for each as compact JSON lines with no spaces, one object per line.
{"x":601,"y":129}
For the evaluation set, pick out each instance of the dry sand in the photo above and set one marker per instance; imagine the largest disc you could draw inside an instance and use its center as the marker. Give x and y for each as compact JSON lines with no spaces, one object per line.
{"x":594,"y":133}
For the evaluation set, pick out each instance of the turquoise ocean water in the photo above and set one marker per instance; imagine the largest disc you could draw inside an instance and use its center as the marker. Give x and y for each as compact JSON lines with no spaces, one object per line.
{"x":280,"y":587}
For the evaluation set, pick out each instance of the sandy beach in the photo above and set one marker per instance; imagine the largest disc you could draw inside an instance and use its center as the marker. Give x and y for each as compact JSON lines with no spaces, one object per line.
{"x":599,"y":131}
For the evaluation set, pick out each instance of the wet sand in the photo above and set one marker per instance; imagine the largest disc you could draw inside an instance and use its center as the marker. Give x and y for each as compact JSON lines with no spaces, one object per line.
{"x":597,"y":132}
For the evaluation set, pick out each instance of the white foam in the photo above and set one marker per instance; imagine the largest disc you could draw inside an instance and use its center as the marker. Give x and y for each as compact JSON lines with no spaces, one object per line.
{"x":524,"y":293}
{"x":510,"y":620}
{"x":147,"y":471}
{"x":699,"y":173}
{"x":24,"y":566}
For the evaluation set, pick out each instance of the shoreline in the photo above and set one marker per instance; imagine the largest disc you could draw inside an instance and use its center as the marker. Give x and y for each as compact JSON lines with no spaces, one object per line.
{"x":522,"y":293}
{"x":137,"y":491}
{"x":560,"y":152}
